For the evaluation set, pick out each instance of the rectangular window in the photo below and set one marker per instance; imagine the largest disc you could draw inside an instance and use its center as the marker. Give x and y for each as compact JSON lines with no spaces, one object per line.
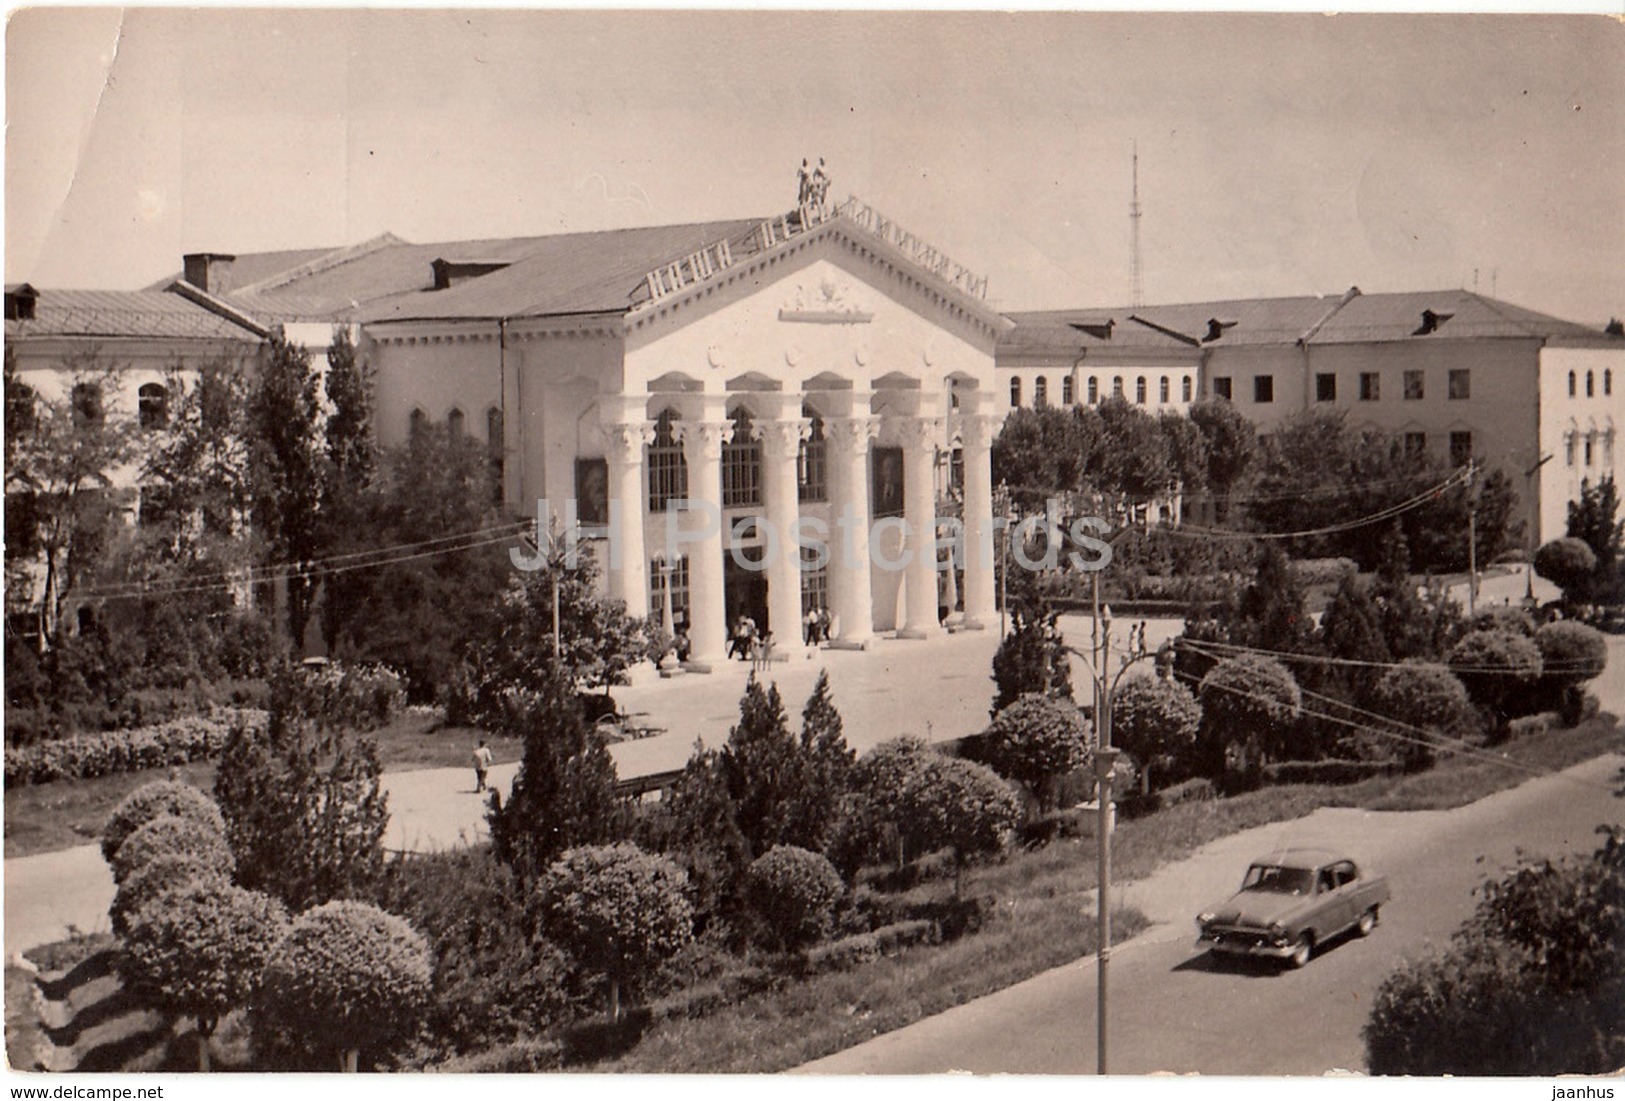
{"x":1370,"y":386}
{"x":887,"y":493}
{"x":814,"y":585}
{"x":1461,"y":384}
{"x":1326,"y":387}
{"x":679,"y":591}
{"x":1221,"y":388}
{"x":1414,"y":389}
{"x":741,"y":466}
{"x":1461,"y":448}
{"x":1263,"y":389}
{"x":1416,"y":445}
{"x":668,"y":472}
{"x":956,"y":473}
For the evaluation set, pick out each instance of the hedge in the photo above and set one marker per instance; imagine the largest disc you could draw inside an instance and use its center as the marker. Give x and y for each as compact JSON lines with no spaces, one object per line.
{"x":1328,"y":771}
{"x":166,"y":745}
{"x":850,"y":951}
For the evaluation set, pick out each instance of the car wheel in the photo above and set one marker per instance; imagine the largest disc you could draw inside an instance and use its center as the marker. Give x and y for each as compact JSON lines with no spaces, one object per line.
{"x":1301,"y":951}
{"x":1367,"y":922}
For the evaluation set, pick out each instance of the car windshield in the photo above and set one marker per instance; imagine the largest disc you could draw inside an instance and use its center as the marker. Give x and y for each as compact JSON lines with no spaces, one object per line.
{"x":1278,"y":880}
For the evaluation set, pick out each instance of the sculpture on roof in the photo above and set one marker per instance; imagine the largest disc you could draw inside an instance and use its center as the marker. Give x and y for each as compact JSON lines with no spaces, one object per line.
{"x":812,"y":184}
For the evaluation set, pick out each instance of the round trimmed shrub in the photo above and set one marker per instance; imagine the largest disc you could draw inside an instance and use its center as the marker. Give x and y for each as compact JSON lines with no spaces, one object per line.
{"x":961,"y":805}
{"x":1571,"y":654}
{"x":1422,"y":695}
{"x":1496,"y":667}
{"x":1156,"y":720}
{"x":618,"y":910}
{"x":1035,"y":741}
{"x":151,"y":801}
{"x":1503,"y":617}
{"x":1250,"y":702}
{"x":347,"y":976}
{"x":172,"y":835}
{"x":1568,"y":564}
{"x":202,"y":950}
{"x":163,"y":876}
{"x":795,"y":892}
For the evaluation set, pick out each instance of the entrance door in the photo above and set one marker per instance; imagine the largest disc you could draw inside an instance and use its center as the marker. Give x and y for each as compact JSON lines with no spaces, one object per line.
{"x":744,"y":593}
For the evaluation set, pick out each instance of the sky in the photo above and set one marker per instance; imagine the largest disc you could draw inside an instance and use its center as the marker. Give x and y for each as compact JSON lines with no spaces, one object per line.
{"x":1278,"y":154}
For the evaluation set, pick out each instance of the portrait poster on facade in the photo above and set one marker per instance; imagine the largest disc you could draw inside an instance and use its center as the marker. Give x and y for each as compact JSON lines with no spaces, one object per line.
{"x":592,"y":493}
{"x":888,"y":481}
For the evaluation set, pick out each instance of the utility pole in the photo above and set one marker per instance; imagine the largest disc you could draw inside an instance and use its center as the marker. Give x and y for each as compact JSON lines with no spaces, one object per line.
{"x":1136,"y":281}
{"x":1472,"y":537}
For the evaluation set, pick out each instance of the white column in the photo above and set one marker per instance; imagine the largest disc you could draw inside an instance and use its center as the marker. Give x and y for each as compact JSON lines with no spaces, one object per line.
{"x":976,"y":434}
{"x":702,"y":526}
{"x":781,"y":441}
{"x":847,"y":447}
{"x":920,"y":437}
{"x":628,"y":561}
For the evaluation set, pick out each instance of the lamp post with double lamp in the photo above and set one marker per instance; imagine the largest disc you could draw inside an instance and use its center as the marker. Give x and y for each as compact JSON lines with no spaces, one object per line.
{"x":1105,"y":684}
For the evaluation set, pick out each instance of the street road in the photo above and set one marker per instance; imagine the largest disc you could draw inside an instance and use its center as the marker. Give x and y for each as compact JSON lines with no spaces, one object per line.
{"x":1172,"y":1008}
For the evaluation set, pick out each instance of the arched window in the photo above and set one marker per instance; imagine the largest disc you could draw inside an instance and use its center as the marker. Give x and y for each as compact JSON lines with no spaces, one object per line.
{"x":1162,"y":389}
{"x":1591,"y":447}
{"x":1094,"y":390}
{"x":455,"y":422}
{"x":416,"y":422}
{"x":1117,"y":386}
{"x":1571,"y":384}
{"x":1608,"y":448}
{"x":1015,"y":392}
{"x":1068,"y":391}
{"x":812,"y":463}
{"x":1185,"y":388}
{"x":1568,"y":448}
{"x":1591,"y":384}
{"x":152,"y":404}
{"x":1139,"y":390}
{"x":87,"y":403}
{"x":742,"y":465}
{"x":1041,"y":392}
{"x":668,"y":470}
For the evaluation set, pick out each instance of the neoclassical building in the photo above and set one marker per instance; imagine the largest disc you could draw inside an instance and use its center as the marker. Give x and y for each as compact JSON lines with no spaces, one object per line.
{"x":823,"y":375}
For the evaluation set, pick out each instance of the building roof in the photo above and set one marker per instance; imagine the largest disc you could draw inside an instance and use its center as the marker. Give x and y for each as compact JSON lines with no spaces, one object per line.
{"x":1332,"y":319}
{"x":150,"y":315}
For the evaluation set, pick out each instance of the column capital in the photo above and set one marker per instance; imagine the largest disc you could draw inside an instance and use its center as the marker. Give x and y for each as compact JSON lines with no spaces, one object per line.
{"x":627,"y":440}
{"x":781,"y":439}
{"x":851,"y":434}
{"x":919,"y":433}
{"x":702,"y":440}
{"x":976,"y":430}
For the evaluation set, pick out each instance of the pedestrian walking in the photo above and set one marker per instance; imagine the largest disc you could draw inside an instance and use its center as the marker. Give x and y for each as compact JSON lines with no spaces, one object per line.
{"x":482,"y":765}
{"x":810,"y":626}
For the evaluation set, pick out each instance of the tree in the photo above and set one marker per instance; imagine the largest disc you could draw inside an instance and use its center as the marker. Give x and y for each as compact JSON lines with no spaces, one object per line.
{"x":1571,"y":654}
{"x":1032,"y":658}
{"x":1132,"y":459}
{"x":62,"y":505}
{"x":1570,"y":564}
{"x":1428,"y":700}
{"x":1043,"y":453}
{"x":1187,"y":451}
{"x":873,"y":819}
{"x":764,"y":769}
{"x":1230,"y":447}
{"x":1351,"y":630}
{"x":347,"y":976}
{"x":1156,"y":721}
{"x":285,"y":471}
{"x":171,"y":835}
{"x":1594,"y":520}
{"x":694,"y":824}
{"x":1400,"y":612}
{"x":201,"y":951}
{"x":827,"y":763}
{"x":1272,"y":614}
{"x":351,"y":463}
{"x":958,"y":804}
{"x":794,"y":892}
{"x":154,"y":800}
{"x":1036,"y":741}
{"x":1496,"y":667}
{"x":564,"y":794}
{"x":1249,"y":709}
{"x":301,"y":797}
{"x":617,"y":909}
{"x":1530,"y":984}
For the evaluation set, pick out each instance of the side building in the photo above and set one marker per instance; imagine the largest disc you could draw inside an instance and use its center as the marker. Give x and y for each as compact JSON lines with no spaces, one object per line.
{"x":1452,"y":374}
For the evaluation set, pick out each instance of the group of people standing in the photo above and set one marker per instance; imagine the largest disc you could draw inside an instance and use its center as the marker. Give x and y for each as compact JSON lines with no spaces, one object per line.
{"x":815,"y":626}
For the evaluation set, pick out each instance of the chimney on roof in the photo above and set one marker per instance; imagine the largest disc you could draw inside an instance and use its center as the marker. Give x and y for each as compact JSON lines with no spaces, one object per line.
{"x":1615,"y":327}
{"x":209,"y":272}
{"x":20,"y":300}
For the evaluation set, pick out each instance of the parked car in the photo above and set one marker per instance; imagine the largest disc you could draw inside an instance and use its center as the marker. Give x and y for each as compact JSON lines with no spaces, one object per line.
{"x":1292,"y":902}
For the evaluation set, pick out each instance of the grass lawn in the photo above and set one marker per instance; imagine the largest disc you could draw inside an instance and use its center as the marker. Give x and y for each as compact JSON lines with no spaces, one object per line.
{"x":1045,"y":916}
{"x":43,"y":818}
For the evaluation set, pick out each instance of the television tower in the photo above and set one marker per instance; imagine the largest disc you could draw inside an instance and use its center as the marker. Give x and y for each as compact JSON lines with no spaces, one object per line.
{"x":1136,"y":292}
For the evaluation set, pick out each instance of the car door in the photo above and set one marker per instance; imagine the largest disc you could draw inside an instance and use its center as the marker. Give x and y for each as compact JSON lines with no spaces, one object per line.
{"x":1331,"y":902}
